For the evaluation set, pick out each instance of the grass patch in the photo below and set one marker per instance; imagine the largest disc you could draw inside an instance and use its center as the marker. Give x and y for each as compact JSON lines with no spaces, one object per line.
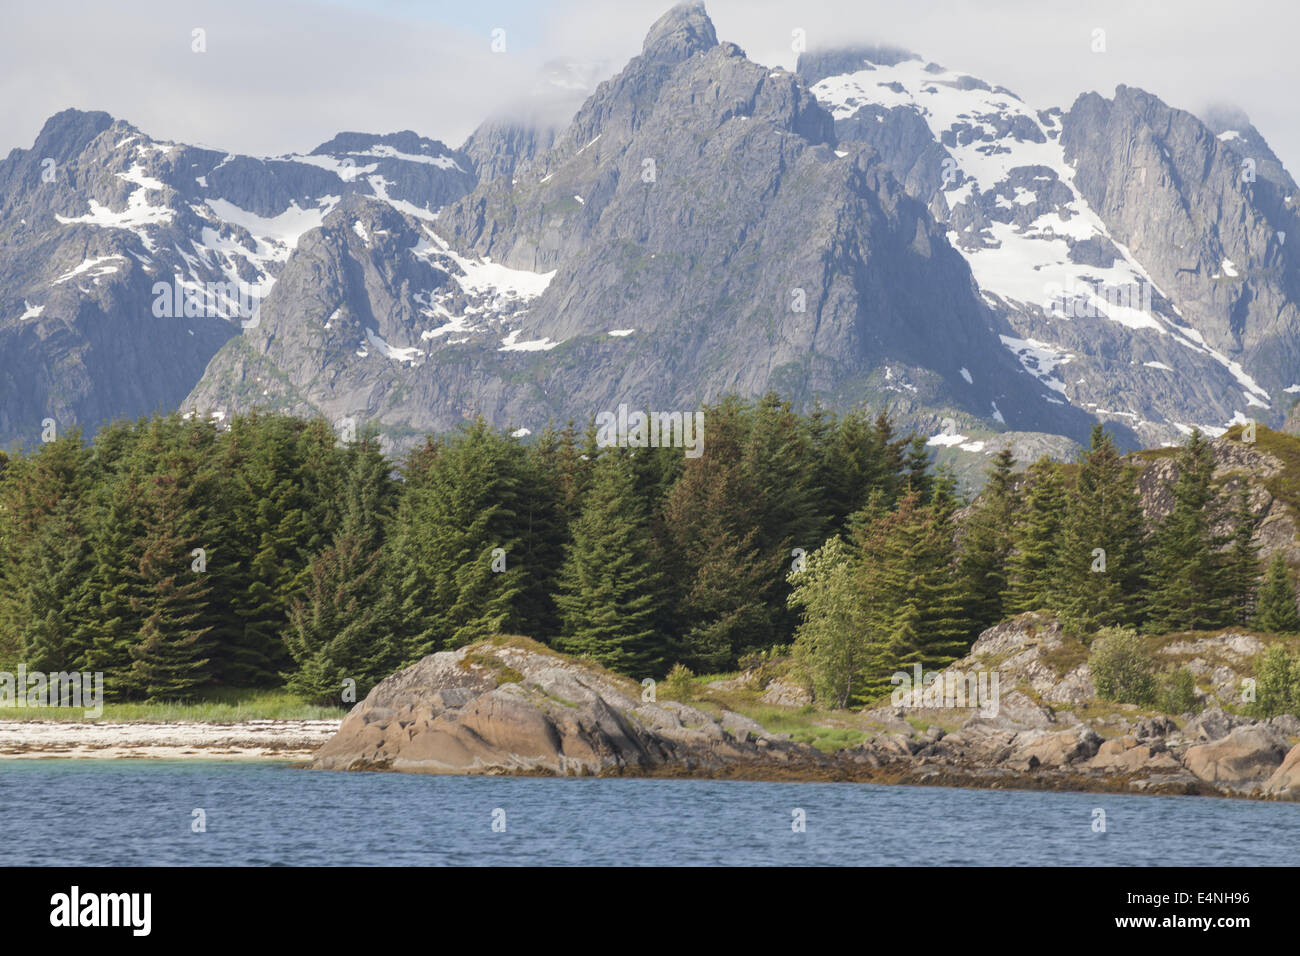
{"x":220,"y":707}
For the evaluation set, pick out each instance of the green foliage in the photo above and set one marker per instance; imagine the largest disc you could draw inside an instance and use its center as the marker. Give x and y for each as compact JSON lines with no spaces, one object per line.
{"x":677,"y":685}
{"x":1277,"y":683}
{"x":1122,"y":667}
{"x":1177,"y":692}
{"x":1033,"y":566}
{"x":1186,"y":586}
{"x":609,"y":588}
{"x":1276,"y":610}
{"x":177,"y":556}
{"x":831,"y":646}
{"x":987,"y":544}
{"x":1100,"y":568}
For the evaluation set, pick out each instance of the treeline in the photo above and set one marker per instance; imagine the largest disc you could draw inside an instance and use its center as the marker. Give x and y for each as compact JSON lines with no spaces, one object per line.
{"x":176,"y":556}
{"x":1066,"y":538}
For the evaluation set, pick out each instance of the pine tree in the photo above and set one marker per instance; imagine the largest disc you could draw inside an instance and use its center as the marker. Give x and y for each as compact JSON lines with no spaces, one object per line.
{"x":343,"y":627}
{"x":1184,"y":569}
{"x":1241,"y":562}
{"x":986,"y":545}
{"x":170,"y":653}
{"x":1033,"y":565}
{"x":1276,"y":613}
{"x":458,"y":556}
{"x":1101,"y":552}
{"x":609,"y":588}
{"x":907,"y":578}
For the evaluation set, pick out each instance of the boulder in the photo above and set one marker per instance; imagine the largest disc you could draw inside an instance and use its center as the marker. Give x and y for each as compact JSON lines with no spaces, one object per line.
{"x":1053,"y":749}
{"x":513,"y":706}
{"x":1284,"y":784}
{"x":1245,"y":755}
{"x":1130,"y":755}
{"x":1213,"y":724}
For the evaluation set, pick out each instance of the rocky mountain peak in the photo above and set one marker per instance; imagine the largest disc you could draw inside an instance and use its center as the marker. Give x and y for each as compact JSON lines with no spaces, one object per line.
{"x":679,"y":34}
{"x":815,"y":65}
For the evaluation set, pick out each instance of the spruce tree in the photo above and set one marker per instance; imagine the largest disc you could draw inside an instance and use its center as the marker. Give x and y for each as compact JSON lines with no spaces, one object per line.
{"x":609,"y":587}
{"x":1241,"y":570}
{"x":1184,"y":569}
{"x":1033,"y":564}
{"x":907,"y":577}
{"x":1276,"y":612}
{"x":170,"y":653}
{"x":459,"y":565}
{"x":1101,"y":552}
{"x":343,"y":627}
{"x":986,"y":545}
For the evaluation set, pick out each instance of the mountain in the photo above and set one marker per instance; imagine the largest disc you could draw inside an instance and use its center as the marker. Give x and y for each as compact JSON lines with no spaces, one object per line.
{"x":126,"y":262}
{"x":871,"y":229}
{"x":694,"y":229}
{"x":1136,"y":253}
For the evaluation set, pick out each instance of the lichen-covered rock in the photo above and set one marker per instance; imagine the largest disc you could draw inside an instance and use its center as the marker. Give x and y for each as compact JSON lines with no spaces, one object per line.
{"x":515,"y":707}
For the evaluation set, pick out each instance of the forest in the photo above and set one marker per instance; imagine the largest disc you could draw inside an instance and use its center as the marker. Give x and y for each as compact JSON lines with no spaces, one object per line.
{"x":176,"y":555}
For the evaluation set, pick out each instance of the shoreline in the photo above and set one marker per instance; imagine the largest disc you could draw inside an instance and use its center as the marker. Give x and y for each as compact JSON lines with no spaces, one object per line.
{"x":236,"y":740}
{"x":299,"y":740}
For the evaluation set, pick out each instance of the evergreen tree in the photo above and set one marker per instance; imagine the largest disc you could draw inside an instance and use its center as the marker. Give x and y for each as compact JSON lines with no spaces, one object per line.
{"x":906,"y":575}
{"x":344,"y":626}
{"x":1276,"y":612}
{"x":720,"y":573}
{"x":459,"y":569}
{"x":55,"y":594}
{"x":1034,"y":561}
{"x":609,"y":588}
{"x":986,"y":546}
{"x":1241,"y":563}
{"x":1185,"y":572}
{"x":1101,"y":553}
{"x":170,"y":653}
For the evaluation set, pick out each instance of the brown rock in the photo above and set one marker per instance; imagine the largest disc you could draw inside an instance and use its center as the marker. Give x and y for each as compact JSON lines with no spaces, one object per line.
{"x":1245,"y":755}
{"x":1285,"y":782}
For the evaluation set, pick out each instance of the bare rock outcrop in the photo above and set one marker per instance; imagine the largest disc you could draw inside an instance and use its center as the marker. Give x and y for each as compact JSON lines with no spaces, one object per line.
{"x":516,"y":707}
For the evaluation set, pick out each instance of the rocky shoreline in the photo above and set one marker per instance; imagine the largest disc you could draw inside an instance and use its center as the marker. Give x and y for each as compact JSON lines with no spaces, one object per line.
{"x":514,"y":707}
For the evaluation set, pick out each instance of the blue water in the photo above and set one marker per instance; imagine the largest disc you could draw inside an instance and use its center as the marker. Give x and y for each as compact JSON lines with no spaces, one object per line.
{"x":92,"y":812}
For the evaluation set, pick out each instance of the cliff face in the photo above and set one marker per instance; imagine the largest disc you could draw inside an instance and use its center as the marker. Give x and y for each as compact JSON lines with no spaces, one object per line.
{"x":97,"y":217}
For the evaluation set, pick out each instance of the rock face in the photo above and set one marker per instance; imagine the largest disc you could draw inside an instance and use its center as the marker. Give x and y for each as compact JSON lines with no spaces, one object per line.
{"x":1150,"y":245}
{"x":1245,"y":755}
{"x":1285,"y":782}
{"x":693,"y":230}
{"x":518,"y":708}
{"x":871,"y":229}
{"x":96,"y":216}
{"x":1029,"y":741}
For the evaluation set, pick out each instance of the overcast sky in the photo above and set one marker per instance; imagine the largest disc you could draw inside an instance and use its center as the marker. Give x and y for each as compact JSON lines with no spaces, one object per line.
{"x":284,"y":75}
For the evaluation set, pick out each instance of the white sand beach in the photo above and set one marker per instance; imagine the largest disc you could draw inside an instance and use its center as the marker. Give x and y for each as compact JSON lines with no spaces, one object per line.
{"x":252,"y":739}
